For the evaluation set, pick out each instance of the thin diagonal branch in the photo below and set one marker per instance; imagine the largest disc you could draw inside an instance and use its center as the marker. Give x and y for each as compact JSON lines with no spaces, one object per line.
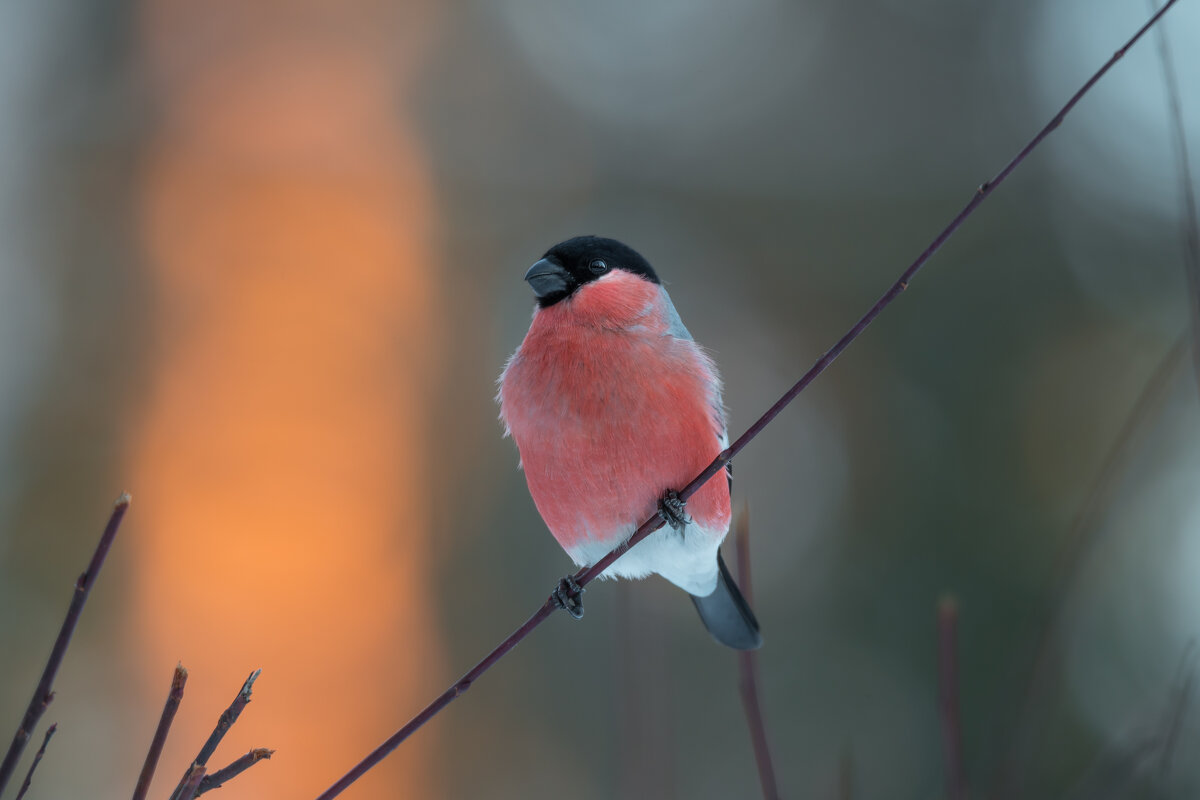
{"x":214,"y":780}
{"x":224,"y":723}
{"x":948,"y":710}
{"x":588,"y":574}
{"x":44,"y":693}
{"x":748,"y":669}
{"x":585,"y":576}
{"x":174,"y":697}
{"x":37,"y":759}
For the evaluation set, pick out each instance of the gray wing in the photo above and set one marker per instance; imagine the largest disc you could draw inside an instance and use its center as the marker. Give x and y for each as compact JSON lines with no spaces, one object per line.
{"x":676,"y":328}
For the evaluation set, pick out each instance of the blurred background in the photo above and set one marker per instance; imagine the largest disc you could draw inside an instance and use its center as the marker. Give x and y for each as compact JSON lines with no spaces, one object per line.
{"x":260,"y":265}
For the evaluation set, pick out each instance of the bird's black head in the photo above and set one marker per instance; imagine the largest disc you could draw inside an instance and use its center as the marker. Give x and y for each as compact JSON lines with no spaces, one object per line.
{"x":573,"y":263}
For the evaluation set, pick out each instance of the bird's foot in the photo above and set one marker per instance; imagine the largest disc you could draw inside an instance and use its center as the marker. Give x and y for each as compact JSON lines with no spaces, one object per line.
{"x":671,"y":509}
{"x":568,"y":595}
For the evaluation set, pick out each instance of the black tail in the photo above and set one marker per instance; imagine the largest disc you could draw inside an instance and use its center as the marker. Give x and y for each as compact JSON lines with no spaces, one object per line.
{"x":726,"y":613}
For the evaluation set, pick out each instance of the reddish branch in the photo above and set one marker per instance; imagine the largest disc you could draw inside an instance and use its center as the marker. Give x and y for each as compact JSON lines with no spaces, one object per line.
{"x":948,"y":712}
{"x":214,"y":779}
{"x":37,"y":759}
{"x":44,"y":693}
{"x":174,"y":697}
{"x":748,"y":670}
{"x":585,"y":576}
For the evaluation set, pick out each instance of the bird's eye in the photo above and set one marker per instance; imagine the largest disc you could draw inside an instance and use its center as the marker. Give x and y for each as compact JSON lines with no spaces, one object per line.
{"x":598,"y":267}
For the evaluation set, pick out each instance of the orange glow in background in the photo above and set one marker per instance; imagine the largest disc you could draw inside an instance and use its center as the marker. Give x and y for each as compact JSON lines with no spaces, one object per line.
{"x":285,"y":216}
{"x":262,"y":263}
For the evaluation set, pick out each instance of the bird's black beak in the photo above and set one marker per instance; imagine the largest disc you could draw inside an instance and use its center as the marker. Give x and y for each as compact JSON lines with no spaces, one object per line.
{"x":547,"y":278}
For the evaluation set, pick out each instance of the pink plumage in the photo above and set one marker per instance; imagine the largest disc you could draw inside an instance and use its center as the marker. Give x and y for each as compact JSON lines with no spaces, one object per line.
{"x":609,"y":410}
{"x":612,"y":404}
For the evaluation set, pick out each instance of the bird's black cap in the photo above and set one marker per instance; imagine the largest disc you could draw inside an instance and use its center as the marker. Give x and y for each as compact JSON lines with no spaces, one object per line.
{"x":574,"y":262}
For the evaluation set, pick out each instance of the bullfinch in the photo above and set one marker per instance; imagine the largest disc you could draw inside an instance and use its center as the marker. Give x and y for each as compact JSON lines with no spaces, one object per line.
{"x":613,"y":406}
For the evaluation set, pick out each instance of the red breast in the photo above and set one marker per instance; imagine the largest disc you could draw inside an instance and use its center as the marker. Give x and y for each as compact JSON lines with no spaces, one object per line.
{"x":609,"y":411}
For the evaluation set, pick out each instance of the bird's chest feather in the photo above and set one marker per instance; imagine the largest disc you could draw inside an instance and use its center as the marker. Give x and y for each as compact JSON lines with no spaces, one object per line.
{"x":606,"y":419}
{"x":603,"y":389}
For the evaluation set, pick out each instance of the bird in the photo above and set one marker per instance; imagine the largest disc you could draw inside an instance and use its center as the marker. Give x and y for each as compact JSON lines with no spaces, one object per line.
{"x":613,"y":407}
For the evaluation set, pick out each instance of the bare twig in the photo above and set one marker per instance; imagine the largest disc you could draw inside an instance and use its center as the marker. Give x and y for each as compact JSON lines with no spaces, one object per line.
{"x":948,"y":710}
{"x":44,"y":693}
{"x":1191,"y":221}
{"x":224,"y":723}
{"x":460,"y":687}
{"x":191,"y":782}
{"x":174,"y":697}
{"x":37,"y":759}
{"x":748,"y":669}
{"x":227,"y":718}
{"x":214,"y":780}
{"x":588,"y":574}
{"x":1080,"y":539}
